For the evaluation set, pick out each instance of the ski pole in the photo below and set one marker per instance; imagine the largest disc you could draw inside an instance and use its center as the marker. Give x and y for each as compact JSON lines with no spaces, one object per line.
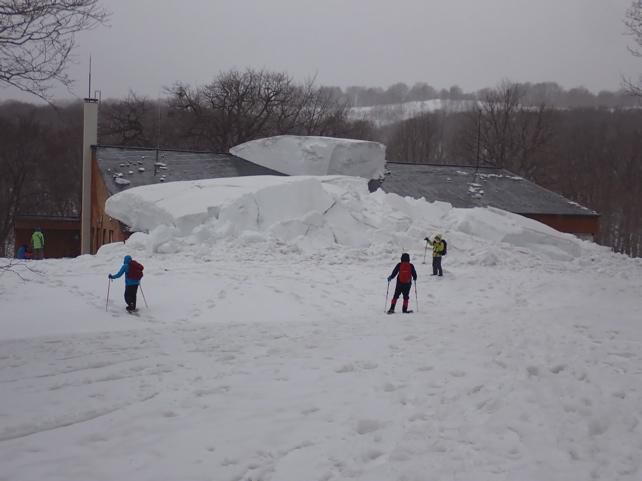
{"x":108,"y":286}
{"x":385,"y":307}
{"x":141,"y":291}
{"x":416,"y":297}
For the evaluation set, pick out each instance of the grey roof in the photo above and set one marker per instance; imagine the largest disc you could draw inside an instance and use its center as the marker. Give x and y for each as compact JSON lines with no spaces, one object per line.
{"x":125,"y":167}
{"x":465,"y":186}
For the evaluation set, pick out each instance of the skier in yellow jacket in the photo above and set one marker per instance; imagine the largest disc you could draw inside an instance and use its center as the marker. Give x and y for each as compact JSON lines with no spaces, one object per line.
{"x":438,"y":250}
{"x":38,"y":244}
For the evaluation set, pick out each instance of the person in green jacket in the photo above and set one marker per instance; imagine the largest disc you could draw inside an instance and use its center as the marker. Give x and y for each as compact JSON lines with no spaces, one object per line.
{"x":38,"y":244}
{"x":438,"y":248}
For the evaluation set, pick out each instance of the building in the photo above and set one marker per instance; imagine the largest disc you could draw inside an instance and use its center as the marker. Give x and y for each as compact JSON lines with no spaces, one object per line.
{"x":115,"y":169}
{"x":107,"y":170}
{"x":466,"y":186}
{"x":62,"y":234}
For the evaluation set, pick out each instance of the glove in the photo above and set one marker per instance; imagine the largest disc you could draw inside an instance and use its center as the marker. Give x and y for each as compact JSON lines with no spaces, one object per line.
{"x":109,"y":276}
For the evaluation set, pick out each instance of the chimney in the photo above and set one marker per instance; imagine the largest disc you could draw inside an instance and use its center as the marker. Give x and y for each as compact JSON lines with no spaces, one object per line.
{"x":90,"y":137}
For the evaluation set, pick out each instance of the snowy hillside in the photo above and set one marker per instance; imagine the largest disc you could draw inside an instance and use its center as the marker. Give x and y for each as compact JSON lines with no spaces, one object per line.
{"x":265,"y":353}
{"x":387,"y":114}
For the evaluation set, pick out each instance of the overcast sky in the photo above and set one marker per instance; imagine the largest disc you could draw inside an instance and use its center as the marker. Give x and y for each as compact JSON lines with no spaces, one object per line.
{"x":151,"y":44}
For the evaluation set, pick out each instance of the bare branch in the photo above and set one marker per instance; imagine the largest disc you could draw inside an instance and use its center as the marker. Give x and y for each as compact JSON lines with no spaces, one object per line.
{"x":633,"y":22}
{"x":12,"y":266}
{"x":37,"y":37}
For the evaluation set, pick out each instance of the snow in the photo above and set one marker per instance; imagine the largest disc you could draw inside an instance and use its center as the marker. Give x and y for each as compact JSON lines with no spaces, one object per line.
{"x":310,"y":155}
{"x":121,"y":181}
{"x":387,"y":114}
{"x":265,"y":354}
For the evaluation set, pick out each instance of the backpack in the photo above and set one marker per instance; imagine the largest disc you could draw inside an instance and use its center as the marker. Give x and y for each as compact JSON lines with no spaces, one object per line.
{"x":445,"y":247}
{"x":135,"y":270}
{"x":405,"y":272}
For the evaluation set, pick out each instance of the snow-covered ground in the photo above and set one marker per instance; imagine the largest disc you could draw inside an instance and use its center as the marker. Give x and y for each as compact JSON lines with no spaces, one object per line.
{"x":390,"y":113}
{"x":267,"y":356}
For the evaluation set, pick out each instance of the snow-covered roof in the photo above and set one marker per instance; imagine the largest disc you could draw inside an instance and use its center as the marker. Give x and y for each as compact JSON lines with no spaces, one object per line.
{"x":125,"y":167}
{"x":465,"y":186}
{"x":314,"y":155}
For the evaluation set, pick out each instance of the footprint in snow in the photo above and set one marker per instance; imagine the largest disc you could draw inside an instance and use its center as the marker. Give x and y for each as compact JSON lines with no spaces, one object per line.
{"x":365,"y":426}
{"x":369,"y":365}
{"x":345,"y":368}
{"x":309,"y":411}
{"x":558,"y":368}
{"x":425,"y":368}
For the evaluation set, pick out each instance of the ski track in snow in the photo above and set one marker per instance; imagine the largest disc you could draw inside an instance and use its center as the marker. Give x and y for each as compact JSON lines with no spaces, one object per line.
{"x":290,"y":371}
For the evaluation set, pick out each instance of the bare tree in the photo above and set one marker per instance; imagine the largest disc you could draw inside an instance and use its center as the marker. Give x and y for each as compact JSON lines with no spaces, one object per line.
{"x":633,"y":22}
{"x":413,"y":140}
{"x":322,"y":111}
{"x":240,"y":106}
{"x":37,"y":37}
{"x":130,"y":122}
{"x":18,"y":156}
{"x":505,"y":133}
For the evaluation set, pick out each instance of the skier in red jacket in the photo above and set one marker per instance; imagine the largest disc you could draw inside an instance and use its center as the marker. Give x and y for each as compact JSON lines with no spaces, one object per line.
{"x":405,"y":273}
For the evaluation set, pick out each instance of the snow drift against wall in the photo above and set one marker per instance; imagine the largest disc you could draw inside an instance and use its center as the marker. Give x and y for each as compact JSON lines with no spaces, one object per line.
{"x":299,"y":155}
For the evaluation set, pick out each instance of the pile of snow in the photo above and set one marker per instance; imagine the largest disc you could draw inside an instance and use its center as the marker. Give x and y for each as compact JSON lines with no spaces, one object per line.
{"x":262,"y":351}
{"x":315,"y":213}
{"x":301,"y":155}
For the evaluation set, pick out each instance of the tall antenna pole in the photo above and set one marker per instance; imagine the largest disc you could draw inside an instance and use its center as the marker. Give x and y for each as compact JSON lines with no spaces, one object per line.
{"x":89,"y":93}
{"x":158,"y":131}
{"x":479,"y":116}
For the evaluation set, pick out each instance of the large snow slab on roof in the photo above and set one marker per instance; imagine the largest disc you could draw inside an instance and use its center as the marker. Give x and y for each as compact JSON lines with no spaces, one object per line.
{"x":301,"y":155}
{"x":315,"y":212}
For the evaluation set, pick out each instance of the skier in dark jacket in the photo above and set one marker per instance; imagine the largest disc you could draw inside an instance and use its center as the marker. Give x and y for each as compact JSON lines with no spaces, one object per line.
{"x":131,"y":283}
{"x":405,"y":274}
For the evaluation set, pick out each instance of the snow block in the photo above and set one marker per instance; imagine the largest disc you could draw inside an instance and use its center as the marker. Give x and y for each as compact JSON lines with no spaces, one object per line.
{"x":309,"y":155}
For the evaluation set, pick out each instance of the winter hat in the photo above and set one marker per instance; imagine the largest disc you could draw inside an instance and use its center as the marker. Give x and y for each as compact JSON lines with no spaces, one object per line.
{"x":405,"y":257}
{"x":127,"y":259}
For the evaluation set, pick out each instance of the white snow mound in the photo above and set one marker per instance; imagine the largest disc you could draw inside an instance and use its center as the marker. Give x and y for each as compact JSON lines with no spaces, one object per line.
{"x":320,"y":212}
{"x":310,"y":155}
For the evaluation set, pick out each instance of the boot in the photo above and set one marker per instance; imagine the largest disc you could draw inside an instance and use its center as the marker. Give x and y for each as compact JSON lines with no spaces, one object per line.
{"x":392,"y":309}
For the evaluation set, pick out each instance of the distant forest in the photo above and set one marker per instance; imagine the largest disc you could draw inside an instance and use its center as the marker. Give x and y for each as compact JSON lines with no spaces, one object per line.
{"x":586,"y":146}
{"x":549,"y":93}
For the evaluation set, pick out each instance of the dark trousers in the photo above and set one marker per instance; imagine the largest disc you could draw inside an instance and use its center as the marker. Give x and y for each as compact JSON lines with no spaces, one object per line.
{"x":436,"y":266}
{"x":130,"y":296}
{"x":399,"y":290}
